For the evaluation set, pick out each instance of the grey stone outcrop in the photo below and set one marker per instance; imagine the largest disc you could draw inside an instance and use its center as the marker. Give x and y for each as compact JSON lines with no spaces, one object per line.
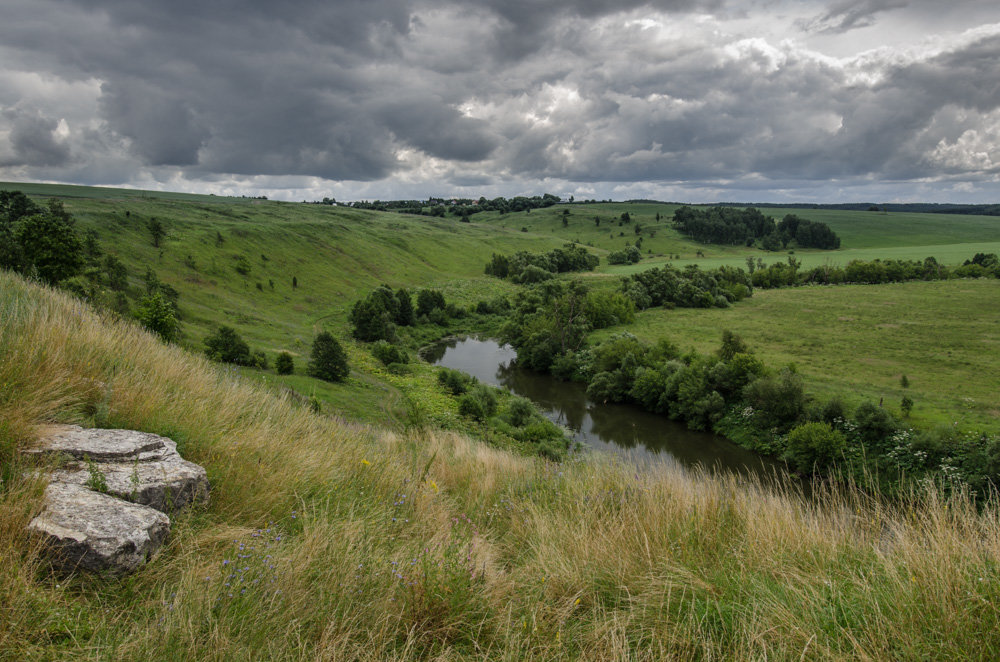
{"x":93,"y":531}
{"x":142,"y":478}
{"x":136,"y":466}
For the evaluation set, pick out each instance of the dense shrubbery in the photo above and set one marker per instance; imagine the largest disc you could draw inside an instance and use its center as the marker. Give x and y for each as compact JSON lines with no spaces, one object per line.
{"x":525,"y":267}
{"x":790,"y":273}
{"x":749,"y":227}
{"x":284,"y":364}
{"x":388,"y":353}
{"x":630,"y":255}
{"x":377,"y":315}
{"x":688,"y":288}
{"x":226,"y":346}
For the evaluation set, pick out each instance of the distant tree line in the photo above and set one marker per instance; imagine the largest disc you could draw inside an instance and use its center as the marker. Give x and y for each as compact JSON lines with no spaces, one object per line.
{"x":463,"y":207}
{"x":526,"y":267}
{"x":872,"y":272}
{"x":749,"y":227}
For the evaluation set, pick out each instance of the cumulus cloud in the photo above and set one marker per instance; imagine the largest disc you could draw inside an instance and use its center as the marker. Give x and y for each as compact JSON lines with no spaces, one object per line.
{"x":507,"y":96}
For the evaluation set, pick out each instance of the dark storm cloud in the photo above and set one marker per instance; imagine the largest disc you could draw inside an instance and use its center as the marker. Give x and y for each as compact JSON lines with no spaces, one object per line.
{"x":33,"y":139}
{"x":477,"y":92}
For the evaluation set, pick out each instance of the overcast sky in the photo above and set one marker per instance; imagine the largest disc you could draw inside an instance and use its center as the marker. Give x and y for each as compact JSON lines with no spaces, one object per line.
{"x":692,"y":100}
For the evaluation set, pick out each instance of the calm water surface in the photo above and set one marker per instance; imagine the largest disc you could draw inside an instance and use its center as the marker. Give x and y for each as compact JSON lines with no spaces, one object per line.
{"x":614,"y":428}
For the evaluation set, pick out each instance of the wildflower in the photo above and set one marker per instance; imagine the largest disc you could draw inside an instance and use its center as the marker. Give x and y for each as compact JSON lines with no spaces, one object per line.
{"x":366,"y":463}
{"x":577,"y":602}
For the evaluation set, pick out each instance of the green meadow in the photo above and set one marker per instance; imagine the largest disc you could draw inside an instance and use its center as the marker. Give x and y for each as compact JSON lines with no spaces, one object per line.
{"x":857,"y":341}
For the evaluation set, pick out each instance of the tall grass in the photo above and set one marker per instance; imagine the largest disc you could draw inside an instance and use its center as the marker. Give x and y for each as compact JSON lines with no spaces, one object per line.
{"x":336,"y":541}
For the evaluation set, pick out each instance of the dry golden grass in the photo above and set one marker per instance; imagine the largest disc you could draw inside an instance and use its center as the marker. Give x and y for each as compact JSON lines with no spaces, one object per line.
{"x":487,"y":556}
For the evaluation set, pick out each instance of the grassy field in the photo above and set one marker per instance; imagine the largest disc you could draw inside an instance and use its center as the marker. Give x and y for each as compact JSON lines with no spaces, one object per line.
{"x":355,"y":543}
{"x":856,"y":341}
{"x":951,"y":238}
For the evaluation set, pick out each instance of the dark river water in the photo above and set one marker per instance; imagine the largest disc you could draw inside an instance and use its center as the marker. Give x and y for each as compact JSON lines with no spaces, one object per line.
{"x":614,"y":428}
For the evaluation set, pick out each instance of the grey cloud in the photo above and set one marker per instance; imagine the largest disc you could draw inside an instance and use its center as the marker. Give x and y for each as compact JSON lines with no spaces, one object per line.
{"x":162,"y":128}
{"x":33,"y":139}
{"x":850,"y":14}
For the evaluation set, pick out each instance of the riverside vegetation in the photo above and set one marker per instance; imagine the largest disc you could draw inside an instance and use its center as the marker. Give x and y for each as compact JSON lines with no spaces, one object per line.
{"x":473,"y":542}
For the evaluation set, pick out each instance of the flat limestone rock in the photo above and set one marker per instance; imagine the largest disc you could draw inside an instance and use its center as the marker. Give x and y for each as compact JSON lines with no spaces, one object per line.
{"x":137,"y":466}
{"x":98,"y":532}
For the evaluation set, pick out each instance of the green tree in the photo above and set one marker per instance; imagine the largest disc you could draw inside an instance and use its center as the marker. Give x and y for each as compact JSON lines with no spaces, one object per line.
{"x":404,"y":314}
{"x":156,"y":314}
{"x":226,"y":346}
{"x":156,"y":231}
{"x":284,"y":364}
{"x":49,"y":244}
{"x":328,"y":361}
{"x":428,"y":300}
{"x":115,"y":272}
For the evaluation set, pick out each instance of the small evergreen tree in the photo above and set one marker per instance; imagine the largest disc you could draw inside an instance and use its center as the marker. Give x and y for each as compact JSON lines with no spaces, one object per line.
{"x":328,"y":361}
{"x":284,"y":364}
{"x":156,"y":231}
{"x":226,"y":346}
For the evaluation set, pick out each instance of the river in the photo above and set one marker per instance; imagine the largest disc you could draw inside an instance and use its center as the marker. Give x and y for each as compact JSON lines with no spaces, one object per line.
{"x":614,"y":428}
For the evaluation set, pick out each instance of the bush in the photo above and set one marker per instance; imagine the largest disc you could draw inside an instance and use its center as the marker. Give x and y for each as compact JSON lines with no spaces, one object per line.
{"x":814,"y":446}
{"x":778,"y":401}
{"x":388,"y":353}
{"x":328,"y":360}
{"x":284,"y":364}
{"x":479,"y":403}
{"x":454,"y":381}
{"x":156,"y":314}
{"x":874,"y":425}
{"x":519,"y":412}
{"x":226,"y":346}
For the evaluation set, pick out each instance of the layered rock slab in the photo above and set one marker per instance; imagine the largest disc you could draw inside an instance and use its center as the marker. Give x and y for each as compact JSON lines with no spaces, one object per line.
{"x":142,"y":477}
{"x":93,"y":531}
{"x":136,"y":466}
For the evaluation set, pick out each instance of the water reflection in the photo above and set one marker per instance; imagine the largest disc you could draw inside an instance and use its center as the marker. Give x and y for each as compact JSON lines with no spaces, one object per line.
{"x":615,"y":428}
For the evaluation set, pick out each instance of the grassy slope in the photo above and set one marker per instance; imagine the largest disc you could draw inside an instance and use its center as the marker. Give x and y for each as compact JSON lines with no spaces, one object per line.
{"x":857,"y":341}
{"x":337,"y":255}
{"x":351,"y":543}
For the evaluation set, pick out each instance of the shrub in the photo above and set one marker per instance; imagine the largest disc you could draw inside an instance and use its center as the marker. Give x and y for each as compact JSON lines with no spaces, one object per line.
{"x":519,"y":412}
{"x":388,"y":353}
{"x":284,"y":364}
{"x":156,"y":314}
{"x":429,"y":300}
{"x":226,"y":346}
{"x":479,"y":403}
{"x":874,"y":424}
{"x":454,"y":381}
{"x":373,"y":318}
{"x":813,"y":446}
{"x":328,"y":361}
{"x":778,"y":401}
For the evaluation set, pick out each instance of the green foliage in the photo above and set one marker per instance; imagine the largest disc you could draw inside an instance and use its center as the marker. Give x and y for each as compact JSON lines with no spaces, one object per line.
{"x":373,"y":318}
{"x":778,"y":401}
{"x":906,"y":405}
{"x":404,"y":308}
{"x":525,"y":267}
{"x":48,"y":246}
{"x":605,"y":309}
{"x":814,"y":446}
{"x":156,"y":314}
{"x":429,"y":301}
{"x":96,"y":480}
{"x":519,"y":411}
{"x":388,"y":353}
{"x":328,"y":361}
{"x":115,"y":273}
{"x":226,"y":346}
{"x":284,"y":364}
{"x":156,"y":231}
{"x":478,"y":403}
{"x":874,"y":424}
{"x":688,"y":288}
{"x":629,"y":255}
{"x":455,"y":382}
